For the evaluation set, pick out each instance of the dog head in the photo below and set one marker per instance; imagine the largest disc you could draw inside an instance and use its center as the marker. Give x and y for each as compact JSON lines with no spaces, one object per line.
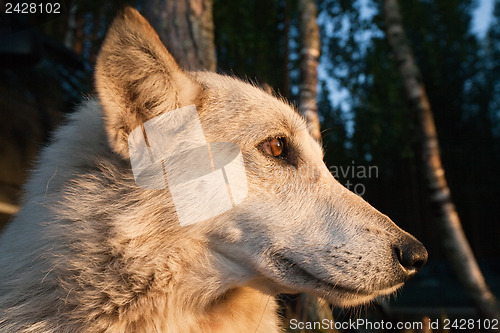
{"x":298,"y":229}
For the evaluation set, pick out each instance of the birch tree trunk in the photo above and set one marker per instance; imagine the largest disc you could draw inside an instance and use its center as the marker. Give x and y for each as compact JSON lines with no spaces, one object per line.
{"x":455,"y":243}
{"x":309,"y":307}
{"x":186,"y":27}
{"x":309,"y":58}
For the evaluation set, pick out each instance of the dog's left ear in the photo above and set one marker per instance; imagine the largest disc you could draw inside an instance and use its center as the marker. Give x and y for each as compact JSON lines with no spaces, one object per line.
{"x":137,"y":79}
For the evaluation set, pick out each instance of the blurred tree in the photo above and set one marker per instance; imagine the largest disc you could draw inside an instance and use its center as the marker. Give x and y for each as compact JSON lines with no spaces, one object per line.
{"x":455,"y":243}
{"x":186,"y":27}
{"x":456,"y":80}
{"x":309,"y":57}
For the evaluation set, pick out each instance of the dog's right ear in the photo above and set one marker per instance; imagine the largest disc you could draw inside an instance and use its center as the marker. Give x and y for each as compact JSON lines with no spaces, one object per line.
{"x":137,"y":79}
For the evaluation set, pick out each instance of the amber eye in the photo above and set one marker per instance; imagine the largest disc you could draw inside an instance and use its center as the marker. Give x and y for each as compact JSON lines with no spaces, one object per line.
{"x":274,"y":147}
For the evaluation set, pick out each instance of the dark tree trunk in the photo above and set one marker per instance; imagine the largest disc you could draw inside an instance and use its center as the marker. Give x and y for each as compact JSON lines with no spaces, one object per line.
{"x":186,"y":27}
{"x":455,"y":243}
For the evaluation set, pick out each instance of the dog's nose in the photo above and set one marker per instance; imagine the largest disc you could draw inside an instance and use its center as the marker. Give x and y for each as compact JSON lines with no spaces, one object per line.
{"x":411,"y":254}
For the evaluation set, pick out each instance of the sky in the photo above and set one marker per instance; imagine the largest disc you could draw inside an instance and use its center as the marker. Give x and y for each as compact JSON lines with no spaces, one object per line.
{"x":482,"y":17}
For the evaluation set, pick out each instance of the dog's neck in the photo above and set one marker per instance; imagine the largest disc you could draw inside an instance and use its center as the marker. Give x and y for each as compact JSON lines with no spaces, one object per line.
{"x":201,"y":293}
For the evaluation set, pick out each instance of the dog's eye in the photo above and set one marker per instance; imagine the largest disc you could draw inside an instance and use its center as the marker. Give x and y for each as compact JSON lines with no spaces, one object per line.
{"x":274,"y":147}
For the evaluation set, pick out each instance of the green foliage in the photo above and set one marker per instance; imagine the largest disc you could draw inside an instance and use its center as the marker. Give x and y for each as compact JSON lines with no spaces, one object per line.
{"x":250,"y":40}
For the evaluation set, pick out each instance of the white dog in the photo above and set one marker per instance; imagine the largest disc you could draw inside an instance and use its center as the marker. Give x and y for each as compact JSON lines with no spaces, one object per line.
{"x":91,"y":251}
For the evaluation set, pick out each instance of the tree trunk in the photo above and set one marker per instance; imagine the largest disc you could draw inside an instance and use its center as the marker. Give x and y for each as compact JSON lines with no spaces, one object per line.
{"x":309,"y":307}
{"x":309,"y":58}
{"x":186,"y":27}
{"x":455,"y":243}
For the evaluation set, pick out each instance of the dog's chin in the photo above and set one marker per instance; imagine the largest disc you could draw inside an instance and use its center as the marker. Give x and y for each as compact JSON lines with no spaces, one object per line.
{"x":291,"y":278}
{"x":350,"y":299}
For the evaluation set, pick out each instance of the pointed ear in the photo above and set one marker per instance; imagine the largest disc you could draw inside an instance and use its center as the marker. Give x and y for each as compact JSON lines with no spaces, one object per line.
{"x":137,"y":79}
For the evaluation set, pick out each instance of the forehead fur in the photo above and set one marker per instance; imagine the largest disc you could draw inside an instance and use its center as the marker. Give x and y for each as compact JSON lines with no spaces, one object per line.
{"x":234,"y":101}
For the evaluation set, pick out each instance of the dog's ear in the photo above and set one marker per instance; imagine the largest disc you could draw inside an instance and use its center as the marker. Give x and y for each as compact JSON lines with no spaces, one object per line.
{"x":137,"y":79}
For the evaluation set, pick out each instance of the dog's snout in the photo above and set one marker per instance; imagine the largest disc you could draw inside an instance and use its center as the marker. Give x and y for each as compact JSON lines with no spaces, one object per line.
{"x":411,"y":254}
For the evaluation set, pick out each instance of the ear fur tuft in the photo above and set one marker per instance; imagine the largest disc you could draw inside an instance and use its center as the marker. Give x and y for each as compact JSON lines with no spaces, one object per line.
{"x":137,"y":78}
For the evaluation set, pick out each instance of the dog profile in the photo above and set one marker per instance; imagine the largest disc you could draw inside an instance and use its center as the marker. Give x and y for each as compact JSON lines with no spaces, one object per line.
{"x":91,"y":251}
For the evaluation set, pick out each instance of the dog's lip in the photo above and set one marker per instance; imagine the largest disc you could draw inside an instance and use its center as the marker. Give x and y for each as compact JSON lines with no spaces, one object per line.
{"x":282,"y":262}
{"x":288,"y":264}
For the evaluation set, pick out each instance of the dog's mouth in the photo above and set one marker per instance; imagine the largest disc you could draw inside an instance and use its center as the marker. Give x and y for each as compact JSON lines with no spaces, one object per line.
{"x":295,"y":277}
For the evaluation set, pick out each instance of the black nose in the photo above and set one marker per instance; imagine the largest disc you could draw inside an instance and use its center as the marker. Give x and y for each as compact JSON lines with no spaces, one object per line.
{"x":411,"y":254}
